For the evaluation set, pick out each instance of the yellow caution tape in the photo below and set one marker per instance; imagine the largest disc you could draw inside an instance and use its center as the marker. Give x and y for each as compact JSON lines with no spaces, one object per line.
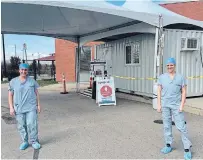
{"x":151,"y":78}
{"x":194,"y":77}
{"x":133,"y":78}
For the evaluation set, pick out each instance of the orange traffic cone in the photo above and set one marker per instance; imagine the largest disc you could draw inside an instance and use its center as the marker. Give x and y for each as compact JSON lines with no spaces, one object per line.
{"x":63,"y":84}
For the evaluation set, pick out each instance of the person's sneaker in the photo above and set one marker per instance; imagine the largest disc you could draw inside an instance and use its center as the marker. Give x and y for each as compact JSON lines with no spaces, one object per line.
{"x":188,"y":155}
{"x":36,"y":145}
{"x":24,"y":145}
{"x":166,"y":150}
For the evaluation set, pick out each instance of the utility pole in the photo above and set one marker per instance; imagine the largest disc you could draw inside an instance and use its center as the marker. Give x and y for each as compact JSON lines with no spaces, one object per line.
{"x":15,"y":51}
{"x":23,"y":53}
{"x":5,"y":72}
{"x":25,"y":50}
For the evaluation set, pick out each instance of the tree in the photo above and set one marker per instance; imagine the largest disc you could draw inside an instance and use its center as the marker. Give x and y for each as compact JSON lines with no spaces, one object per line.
{"x":13,"y":67}
{"x":14,"y":63}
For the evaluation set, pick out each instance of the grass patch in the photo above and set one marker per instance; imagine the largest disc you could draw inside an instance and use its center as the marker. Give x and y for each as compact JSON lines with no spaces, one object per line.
{"x":3,"y":82}
{"x":43,"y":83}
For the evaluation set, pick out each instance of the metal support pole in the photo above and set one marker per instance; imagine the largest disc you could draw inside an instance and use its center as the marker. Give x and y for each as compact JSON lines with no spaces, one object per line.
{"x":53,"y":68}
{"x":35,"y":69}
{"x":161,"y":41}
{"x":38,"y":67}
{"x":52,"y":71}
{"x":78,"y":66}
{"x":5,"y":70}
{"x":1,"y":75}
{"x":156,"y":65}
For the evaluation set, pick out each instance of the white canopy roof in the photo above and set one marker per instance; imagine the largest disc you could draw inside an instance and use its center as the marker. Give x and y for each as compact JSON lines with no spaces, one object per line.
{"x":71,"y":19}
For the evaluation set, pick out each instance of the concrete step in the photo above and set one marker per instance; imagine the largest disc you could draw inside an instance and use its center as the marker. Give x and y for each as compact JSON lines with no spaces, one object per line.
{"x":86,"y":93}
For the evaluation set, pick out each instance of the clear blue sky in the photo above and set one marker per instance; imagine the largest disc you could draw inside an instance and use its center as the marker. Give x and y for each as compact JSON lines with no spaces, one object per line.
{"x":35,"y":44}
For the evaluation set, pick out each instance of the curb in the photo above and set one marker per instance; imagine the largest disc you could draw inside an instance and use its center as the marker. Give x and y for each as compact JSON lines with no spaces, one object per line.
{"x":187,"y":108}
{"x":193,"y":110}
{"x":133,"y":98}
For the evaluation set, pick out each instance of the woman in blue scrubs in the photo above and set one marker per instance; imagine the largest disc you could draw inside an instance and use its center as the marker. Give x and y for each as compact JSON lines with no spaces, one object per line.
{"x":24,"y":103}
{"x":171,"y":100}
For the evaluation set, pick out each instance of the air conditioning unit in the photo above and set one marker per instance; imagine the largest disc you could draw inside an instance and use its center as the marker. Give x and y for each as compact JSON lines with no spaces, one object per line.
{"x":189,"y":44}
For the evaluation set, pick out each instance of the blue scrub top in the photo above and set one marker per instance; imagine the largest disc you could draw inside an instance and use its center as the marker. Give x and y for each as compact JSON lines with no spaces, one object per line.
{"x":25,"y":98}
{"x":171,"y":89}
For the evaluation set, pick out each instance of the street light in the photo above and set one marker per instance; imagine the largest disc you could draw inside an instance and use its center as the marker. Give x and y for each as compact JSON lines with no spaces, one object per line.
{"x":25,"y":50}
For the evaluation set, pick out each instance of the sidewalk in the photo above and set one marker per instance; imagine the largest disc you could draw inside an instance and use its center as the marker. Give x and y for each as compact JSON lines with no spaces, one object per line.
{"x":194,"y":105}
{"x":70,"y":87}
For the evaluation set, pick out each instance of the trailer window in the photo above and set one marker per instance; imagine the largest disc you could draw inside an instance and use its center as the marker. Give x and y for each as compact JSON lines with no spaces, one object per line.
{"x":192,"y":43}
{"x":132,"y":53}
{"x":189,"y":44}
{"x":128,"y":54}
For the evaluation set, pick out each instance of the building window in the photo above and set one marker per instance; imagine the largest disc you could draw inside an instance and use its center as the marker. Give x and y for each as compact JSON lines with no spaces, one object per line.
{"x":85,"y":58}
{"x":132,"y":53}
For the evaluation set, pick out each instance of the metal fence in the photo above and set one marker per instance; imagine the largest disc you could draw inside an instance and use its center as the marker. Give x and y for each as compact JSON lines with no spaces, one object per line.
{"x":41,"y":70}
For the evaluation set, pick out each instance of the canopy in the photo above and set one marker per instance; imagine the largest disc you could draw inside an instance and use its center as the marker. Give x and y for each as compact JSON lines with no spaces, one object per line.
{"x":78,"y":19}
{"x":83,"y":21}
{"x":47,"y":58}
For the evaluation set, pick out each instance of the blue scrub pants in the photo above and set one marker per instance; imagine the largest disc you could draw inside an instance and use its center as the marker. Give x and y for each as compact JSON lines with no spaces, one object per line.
{"x":27,"y":124}
{"x":179,"y":120}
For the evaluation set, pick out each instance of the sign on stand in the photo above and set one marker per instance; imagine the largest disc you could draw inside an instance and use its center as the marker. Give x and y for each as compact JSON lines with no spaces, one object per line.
{"x":105,"y":91}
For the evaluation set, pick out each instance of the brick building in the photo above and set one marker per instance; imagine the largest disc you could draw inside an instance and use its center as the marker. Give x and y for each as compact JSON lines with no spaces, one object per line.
{"x":192,"y":9}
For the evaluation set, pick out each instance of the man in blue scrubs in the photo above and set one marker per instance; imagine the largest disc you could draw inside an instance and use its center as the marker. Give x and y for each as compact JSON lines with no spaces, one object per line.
{"x":171,"y":100}
{"x":23,"y":100}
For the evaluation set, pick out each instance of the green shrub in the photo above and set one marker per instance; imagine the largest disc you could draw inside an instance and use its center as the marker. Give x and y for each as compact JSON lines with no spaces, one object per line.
{"x":12,"y":74}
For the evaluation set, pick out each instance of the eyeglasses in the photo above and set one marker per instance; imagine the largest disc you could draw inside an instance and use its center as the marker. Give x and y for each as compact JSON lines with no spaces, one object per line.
{"x":170,"y":65}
